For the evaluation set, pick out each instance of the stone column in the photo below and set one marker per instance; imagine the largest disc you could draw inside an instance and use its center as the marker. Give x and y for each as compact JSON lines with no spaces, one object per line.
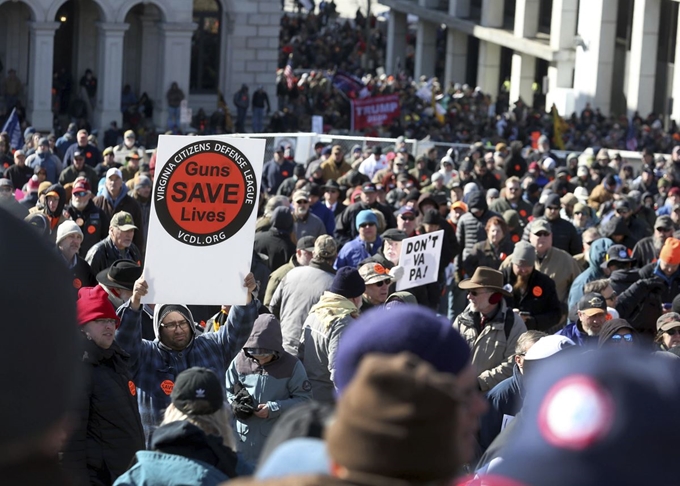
{"x":522,"y":78}
{"x":456,"y":56}
{"x":594,"y":67}
{"x":561,"y":73}
{"x":396,"y":42}
{"x":150,"y":55}
{"x":675,"y":93}
{"x":40,"y":74}
{"x":459,"y":8}
{"x":426,"y":49}
{"x":526,"y":18}
{"x":642,"y":61}
{"x":489,"y":66}
{"x":109,"y":73}
{"x":175,"y":61}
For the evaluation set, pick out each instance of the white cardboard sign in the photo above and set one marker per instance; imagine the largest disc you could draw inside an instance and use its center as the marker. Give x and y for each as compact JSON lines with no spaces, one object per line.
{"x":420,"y":257}
{"x":202,"y":222}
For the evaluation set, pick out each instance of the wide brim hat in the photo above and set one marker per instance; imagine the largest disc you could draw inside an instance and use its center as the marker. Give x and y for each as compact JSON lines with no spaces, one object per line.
{"x":485,"y":278}
{"x":122,"y":274}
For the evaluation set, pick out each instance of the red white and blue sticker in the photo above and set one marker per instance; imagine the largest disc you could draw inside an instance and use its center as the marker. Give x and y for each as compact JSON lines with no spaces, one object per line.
{"x":576,"y":413}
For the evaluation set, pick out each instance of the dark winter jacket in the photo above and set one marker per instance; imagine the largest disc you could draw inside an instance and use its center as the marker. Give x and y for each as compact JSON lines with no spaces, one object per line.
{"x":345,"y":224}
{"x":618,"y":226}
{"x":94,"y":224}
{"x":565,"y":236}
{"x":645,"y":252}
{"x":471,"y":229}
{"x":108,"y":430}
{"x":505,"y":401}
{"x":484,"y":255}
{"x":612,"y":327}
{"x":103,"y":254}
{"x":277,"y":246}
{"x":540,"y":300}
{"x":671,"y":285}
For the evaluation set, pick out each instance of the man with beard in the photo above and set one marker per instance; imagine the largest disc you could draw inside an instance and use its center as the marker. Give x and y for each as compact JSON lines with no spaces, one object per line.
{"x":534,"y":296}
{"x":513,"y":200}
{"x":69,"y":238}
{"x":118,"y":245}
{"x":592,"y":314}
{"x":306,"y":223}
{"x":88,"y":216}
{"x":647,"y":249}
{"x":489,"y":326}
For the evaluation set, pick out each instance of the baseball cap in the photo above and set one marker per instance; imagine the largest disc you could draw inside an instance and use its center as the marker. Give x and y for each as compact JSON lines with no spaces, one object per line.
{"x":81,"y":185}
{"x":374,"y":273}
{"x":197,"y":391}
{"x":325,"y":247}
{"x":592,"y":304}
{"x":540,"y":225}
{"x":668,"y":321}
{"x":129,"y":134}
{"x":407,"y":210}
{"x":107,"y":151}
{"x":123,"y":221}
{"x":300,"y":195}
{"x":306,"y":243}
{"x":663,"y":222}
{"x":368,"y":187}
{"x":6,"y":183}
{"x":114,"y":171}
{"x":616,"y":253}
{"x":394,"y":235}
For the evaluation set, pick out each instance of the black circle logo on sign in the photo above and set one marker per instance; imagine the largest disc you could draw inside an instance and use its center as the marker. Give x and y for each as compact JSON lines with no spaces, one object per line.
{"x":205,"y":193}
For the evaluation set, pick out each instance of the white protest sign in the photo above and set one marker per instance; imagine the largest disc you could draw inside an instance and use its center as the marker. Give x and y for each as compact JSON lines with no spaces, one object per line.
{"x":317,"y":124}
{"x":419,"y":258}
{"x":202,"y":223}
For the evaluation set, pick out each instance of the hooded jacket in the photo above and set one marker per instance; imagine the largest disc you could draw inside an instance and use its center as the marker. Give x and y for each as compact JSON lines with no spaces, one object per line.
{"x":598,"y":254}
{"x":612,"y":327}
{"x":280,"y":384}
{"x":108,"y":430}
{"x":618,"y":226}
{"x":56,"y":217}
{"x":155,"y":366}
{"x":124,"y":202}
{"x":471,"y":229}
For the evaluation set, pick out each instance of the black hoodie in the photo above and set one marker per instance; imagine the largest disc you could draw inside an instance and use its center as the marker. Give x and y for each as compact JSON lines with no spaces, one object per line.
{"x":612,"y":327}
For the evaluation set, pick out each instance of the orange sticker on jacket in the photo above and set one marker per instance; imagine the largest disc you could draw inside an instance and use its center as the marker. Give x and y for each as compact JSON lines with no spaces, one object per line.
{"x":132,"y":387}
{"x":523,"y":213}
{"x":91,"y":229}
{"x":515,"y":238}
{"x":167,"y":387}
{"x":537,"y":291}
{"x":77,"y":283}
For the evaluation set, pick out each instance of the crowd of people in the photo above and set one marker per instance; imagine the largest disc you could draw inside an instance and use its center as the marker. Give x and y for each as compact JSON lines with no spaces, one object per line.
{"x":545,"y":353}
{"x":318,"y":46}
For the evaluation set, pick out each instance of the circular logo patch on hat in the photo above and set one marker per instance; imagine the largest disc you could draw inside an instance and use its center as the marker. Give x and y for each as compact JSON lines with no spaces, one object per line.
{"x":205,"y":193}
{"x":167,"y":386}
{"x":576,"y":413}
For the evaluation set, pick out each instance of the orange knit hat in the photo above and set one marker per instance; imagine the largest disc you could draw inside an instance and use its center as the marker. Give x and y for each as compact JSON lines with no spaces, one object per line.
{"x":670,"y":253}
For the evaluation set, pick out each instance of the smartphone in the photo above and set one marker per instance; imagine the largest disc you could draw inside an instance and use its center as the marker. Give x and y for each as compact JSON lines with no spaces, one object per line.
{"x":525,"y":313}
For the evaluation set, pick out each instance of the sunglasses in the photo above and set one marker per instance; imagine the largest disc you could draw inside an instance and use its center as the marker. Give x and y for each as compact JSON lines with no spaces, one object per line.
{"x":542,"y":233}
{"x":673,"y":332}
{"x":381,"y":283}
{"x":366,"y":225}
{"x":408,"y":218}
{"x":302,"y":201}
{"x":475,"y":293}
{"x":80,"y":194}
{"x":618,"y":338}
{"x":664,"y":230}
{"x":579,"y":212}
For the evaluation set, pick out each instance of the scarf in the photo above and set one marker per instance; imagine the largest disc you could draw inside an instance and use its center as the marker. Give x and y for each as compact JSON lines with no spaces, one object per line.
{"x":332,"y":308}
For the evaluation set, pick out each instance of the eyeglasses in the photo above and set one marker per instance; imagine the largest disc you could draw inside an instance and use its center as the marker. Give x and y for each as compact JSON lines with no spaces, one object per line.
{"x":106,"y":322}
{"x":475,"y":293}
{"x":579,"y":213}
{"x":673,"y":332}
{"x":366,"y":225}
{"x":408,"y":218}
{"x":542,"y":234}
{"x":302,"y":201}
{"x":171,"y":326}
{"x":258,"y":351}
{"x":618,"y":338}
{"x":80,"y":194}
{"x":611,"y":296}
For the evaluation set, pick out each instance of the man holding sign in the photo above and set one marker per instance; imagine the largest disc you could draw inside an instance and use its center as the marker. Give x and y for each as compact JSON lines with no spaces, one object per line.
{"x":155,"y":364}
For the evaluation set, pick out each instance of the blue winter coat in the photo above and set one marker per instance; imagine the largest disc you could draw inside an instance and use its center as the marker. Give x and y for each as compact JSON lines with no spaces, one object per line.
{"x":506,"y":398}
{"x":575,"y":332}
{"x":597,"y":256}
{"x":355,"y":251}
{"x":280,"y":384}
{"x":320,"y":210}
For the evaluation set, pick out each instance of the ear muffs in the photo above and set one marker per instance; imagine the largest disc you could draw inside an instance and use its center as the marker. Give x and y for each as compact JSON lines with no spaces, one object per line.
{"x":495,"y":298}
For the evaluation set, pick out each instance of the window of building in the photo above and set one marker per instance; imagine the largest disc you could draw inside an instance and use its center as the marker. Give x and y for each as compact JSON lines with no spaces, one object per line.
{"x":205,"y":47}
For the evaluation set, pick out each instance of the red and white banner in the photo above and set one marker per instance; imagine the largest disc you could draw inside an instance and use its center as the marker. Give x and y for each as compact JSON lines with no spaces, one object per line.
{"x":374,"y":112}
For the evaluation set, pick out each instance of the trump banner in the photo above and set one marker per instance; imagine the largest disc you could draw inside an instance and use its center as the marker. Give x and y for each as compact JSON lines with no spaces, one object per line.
{"x":374,"y":112}
{"x":202,"y":222}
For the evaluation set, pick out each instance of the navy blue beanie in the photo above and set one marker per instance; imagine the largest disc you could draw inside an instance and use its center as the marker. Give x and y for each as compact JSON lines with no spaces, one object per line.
{"x":406,"y":327}
{"x":348,"y":283}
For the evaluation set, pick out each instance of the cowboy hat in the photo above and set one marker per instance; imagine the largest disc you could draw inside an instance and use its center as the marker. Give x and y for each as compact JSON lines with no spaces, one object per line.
{"x":485,"y":278}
